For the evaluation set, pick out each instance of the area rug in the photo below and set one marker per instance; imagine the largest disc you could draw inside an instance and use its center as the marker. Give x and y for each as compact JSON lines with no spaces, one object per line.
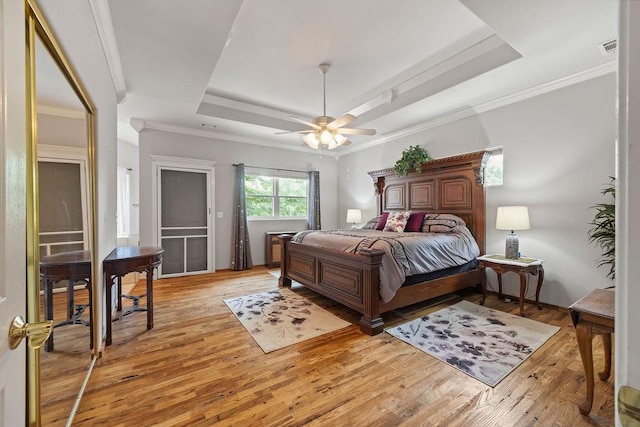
{"x":280,"y":318}
{"x":483,"y":343}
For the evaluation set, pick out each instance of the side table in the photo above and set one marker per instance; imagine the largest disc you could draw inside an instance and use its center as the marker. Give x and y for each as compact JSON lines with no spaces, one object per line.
{"x":593,"y":314}
{"x":501,"y":266}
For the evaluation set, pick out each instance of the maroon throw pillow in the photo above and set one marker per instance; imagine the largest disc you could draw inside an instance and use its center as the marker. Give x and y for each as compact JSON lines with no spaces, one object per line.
{"x":383,"y":221}
{"x":415,"y":222}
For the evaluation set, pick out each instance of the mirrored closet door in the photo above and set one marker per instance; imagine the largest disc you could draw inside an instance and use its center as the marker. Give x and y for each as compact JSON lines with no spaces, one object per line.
{"x":62,"y":285}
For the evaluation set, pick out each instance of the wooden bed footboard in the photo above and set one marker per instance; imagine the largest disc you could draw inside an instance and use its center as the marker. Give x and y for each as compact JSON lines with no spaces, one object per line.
{"x":351,"y":280}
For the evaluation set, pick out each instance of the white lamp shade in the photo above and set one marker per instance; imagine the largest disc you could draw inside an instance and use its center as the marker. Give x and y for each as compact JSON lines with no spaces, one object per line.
{"x":312,"y":140}
{"x":512,"y":218}
{"x":354,"y":216}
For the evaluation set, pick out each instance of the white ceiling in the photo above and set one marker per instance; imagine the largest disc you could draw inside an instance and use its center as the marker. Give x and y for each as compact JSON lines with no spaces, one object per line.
{"x":238,"y":69}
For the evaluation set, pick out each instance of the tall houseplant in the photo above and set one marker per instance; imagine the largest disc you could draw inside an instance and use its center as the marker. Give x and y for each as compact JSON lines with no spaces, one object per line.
{"x":412,"y":158}
{"x":603,"y":230}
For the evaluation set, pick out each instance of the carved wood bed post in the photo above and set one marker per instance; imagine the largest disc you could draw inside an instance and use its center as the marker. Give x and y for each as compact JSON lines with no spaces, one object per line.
{"x":284,"y":280}
{"x":371,"y":323}
{"x":378,"y":185}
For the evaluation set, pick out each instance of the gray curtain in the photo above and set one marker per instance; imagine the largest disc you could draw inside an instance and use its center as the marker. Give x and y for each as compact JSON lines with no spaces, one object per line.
{"x":314,"y":200}
{"x":241,"y":250}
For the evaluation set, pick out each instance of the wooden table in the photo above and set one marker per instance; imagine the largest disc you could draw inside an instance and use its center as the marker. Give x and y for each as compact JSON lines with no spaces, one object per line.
{"x":501,"y":267}
{"x":73,"y":266}
{"x":124,"y":260}
{"x":593,"y":314}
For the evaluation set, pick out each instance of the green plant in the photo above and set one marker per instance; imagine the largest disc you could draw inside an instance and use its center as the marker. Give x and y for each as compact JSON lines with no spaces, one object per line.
{"x":603,"y":232}
{"x":412,"y":158}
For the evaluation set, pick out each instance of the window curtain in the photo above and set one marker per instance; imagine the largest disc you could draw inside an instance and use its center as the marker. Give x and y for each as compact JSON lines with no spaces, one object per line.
{"x":241,"y":250}
{"x":314,"y":201}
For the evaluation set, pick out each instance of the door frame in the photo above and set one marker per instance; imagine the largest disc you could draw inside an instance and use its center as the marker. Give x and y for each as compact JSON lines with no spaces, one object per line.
{"x":159,"y":163}
{"x":60,"y":154}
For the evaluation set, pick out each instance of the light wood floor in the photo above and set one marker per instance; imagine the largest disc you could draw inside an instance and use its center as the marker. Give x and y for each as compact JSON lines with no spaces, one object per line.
{"x":198,"y":366}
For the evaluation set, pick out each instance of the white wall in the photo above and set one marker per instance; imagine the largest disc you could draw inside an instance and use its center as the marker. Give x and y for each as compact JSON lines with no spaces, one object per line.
{"x":64,"y":131}
{"x":559,"y":150}
{"x":225,"y":154}
{"x":75,"y":29}
{"x":129,"y":158}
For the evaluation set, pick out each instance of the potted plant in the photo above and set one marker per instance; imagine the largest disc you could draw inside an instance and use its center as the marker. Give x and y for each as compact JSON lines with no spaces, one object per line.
{"x":412,"y":158}
{"x":603,"y":231}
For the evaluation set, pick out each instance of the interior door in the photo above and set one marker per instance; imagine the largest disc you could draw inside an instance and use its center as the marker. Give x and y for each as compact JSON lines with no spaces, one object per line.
{"x":13,"y":127}
{"x":12,"y":210}
{"x":184,"y":218}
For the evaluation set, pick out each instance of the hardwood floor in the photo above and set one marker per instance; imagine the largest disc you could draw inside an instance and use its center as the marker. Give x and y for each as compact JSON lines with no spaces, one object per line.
{"x":198,"y":366}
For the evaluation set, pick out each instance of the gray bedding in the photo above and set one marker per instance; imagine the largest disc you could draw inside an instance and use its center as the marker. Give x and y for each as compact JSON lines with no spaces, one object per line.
{"x":406,"y":254}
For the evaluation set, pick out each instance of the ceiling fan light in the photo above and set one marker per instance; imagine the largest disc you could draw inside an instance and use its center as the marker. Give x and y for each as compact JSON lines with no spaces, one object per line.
{"x":311,"y":140}
{"x":326,"y":137}
{"x":340,"y":139}
{"x":332,"y":144}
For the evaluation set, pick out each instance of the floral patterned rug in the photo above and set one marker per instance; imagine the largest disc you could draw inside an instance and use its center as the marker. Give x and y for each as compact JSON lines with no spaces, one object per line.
{"x":483,"y":343}
{"x":280,"y":318}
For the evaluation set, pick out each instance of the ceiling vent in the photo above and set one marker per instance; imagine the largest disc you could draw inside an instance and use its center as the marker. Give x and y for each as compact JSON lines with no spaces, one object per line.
{"x":608,"y":48}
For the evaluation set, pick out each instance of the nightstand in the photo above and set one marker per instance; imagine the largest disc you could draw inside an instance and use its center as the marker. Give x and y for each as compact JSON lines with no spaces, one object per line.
{"x":272,"y":248}
{"x":521,"y":266}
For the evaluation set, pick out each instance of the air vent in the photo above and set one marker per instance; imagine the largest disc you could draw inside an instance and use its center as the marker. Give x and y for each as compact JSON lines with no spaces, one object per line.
{"x":608,"y":48}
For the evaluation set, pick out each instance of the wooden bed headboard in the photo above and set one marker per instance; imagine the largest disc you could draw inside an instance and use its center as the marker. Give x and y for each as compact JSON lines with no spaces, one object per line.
{"x":452,"y":185}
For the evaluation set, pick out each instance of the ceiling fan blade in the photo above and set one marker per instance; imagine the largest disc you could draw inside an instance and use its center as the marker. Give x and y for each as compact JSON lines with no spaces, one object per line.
{"x":345,"y":119}
{"x":305,"y":122}
{"x":294,"y":131}
{"x":353,"y":131}
{"x":347,"y":142}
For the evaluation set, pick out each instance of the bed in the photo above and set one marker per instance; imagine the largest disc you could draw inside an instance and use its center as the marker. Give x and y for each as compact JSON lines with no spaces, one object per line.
{"x":451,"y":185}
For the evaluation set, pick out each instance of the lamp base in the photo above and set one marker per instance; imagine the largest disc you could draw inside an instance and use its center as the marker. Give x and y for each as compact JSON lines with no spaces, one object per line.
{"x":511,"y":248}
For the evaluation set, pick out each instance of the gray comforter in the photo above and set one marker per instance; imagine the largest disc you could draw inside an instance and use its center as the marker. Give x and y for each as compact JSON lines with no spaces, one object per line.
{"x":406,"y":254}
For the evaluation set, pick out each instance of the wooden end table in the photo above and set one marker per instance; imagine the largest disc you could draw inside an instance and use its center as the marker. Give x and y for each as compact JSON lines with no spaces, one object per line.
{"x":593,"y":314}
{"x":501,"y":266}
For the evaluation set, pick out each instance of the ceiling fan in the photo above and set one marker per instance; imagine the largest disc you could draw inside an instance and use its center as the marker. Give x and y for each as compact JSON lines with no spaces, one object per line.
{"x":325,"y":130}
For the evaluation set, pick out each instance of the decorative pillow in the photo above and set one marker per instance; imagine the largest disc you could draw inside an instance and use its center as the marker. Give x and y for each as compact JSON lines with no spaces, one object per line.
{"x":382,"y":221}
{"x":397,"y":221}
{"x":441,"y":223}
{"x":371,"y":224}
{"x":414,"y":223}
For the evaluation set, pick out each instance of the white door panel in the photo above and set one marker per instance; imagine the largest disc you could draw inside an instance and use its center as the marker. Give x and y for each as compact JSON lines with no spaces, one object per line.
{"x":12,"y":209}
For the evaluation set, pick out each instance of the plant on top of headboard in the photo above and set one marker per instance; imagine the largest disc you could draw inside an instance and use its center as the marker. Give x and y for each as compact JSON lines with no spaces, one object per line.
{"x":412,"y":158}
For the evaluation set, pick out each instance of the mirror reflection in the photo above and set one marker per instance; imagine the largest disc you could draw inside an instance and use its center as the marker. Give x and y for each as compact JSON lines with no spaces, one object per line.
{"x":64,"y":236}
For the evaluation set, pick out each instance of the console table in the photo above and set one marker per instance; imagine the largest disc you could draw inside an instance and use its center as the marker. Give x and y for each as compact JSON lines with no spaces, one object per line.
{"x":593,"y":314}
{"x":73,"y":266}
{"x":124,"y":260}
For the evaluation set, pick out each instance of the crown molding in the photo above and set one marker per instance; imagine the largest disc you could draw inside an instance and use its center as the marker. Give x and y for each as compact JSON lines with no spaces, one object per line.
{"x":450,"y":117}
{"x":102,"y":18}
{"x":591,"y":73}
{"x":140,"y":125}
{"x":69,"y":113}
{"x":61,"y":152}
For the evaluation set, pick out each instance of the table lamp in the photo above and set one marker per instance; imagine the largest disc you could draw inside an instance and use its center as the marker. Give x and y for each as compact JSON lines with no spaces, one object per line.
{"x":512,"y":218}
{"x":354,"y":216}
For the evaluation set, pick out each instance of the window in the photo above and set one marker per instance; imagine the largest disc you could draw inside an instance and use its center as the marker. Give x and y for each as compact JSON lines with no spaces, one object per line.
{"x":122,"y":203}
{"x":276,"y":196}
{"x":493,"y":168}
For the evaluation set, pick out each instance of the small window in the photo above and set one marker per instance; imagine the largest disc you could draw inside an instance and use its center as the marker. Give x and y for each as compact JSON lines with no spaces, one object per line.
{"x":276,"y":197}
{"x":122,"y":204}
{"x":493,"y":168}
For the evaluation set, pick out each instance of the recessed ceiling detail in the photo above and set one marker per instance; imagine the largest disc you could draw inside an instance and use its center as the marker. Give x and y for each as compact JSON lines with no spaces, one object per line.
{"x":247,"y":67}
